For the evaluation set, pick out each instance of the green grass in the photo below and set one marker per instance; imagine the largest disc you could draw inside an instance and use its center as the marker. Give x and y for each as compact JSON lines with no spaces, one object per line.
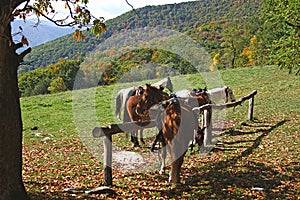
{"x":260,"y":153}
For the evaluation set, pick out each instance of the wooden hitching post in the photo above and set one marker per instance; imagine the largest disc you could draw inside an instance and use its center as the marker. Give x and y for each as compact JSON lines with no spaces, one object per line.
{"x":107,"y":141}
{"x":250,"y":109}
{"x":207,"y":113}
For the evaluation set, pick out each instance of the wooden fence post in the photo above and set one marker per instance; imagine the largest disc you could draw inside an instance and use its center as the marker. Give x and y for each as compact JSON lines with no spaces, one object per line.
{"x":207,"y":114}
{"x":107,"y":141}
{"x":250,"y":109}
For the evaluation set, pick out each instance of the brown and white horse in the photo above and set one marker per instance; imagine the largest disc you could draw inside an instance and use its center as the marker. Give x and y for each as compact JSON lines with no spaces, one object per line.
{"x":176,"y":122}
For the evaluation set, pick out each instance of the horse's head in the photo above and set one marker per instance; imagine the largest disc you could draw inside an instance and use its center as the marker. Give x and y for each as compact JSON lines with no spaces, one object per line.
{"x":139,"y":90}
{"x":151,"y":96}
{"x":202,"y":96}
{"x":229,"y":94}
{"x":169,"y":84}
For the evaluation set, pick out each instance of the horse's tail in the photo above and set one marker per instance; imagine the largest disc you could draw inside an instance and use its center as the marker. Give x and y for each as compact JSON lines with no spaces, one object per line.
{"x":126,"y":118}
{"x":170,"y":85}
{"x":118,"y":106}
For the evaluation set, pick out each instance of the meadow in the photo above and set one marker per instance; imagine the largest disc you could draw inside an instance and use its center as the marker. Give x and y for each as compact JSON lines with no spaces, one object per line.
{"x":256,"y":159}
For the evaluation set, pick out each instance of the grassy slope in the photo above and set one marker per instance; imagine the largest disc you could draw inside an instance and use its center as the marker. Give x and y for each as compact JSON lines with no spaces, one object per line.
{"x":262,"y":153}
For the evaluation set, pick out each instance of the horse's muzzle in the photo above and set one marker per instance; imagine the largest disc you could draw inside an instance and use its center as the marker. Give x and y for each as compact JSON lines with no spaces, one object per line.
{"x":139,"y":111}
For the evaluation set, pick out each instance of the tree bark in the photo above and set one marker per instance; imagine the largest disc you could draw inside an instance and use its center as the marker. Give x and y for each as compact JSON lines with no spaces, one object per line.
{"x":11,"y":184}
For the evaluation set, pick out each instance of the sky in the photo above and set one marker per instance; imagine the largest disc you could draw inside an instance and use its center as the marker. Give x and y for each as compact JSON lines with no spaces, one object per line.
{"x":112,"y":8}
{"x":106,"y":8}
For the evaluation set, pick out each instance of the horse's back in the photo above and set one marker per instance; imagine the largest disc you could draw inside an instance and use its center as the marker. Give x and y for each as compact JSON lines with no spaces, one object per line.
{"x":166,"y":83}
{"x":179,"y":122}
{"x":182,"y":93}
{"x":217,"y":94}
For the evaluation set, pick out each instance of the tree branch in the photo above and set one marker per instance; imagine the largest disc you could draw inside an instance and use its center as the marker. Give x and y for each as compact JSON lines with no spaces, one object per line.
{"x":19,"y":2}
{"x":132,"y":8}
{"x":18,"y":45}
{"x":56,"y":22}
{"x":24,"y":53}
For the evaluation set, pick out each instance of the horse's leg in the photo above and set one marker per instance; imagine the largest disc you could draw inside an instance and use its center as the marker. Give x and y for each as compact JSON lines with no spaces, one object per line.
{"x":200,"y":137}
{"x":126,"y":118}
{"x":154,"y":143}
{"x":141,"y":136}
{"x":159,"y":138}
{"x":178,"y":148}
{"x":134,"y":139}
{"x":193,"y":142}
{"x":174,"y":176}
{"x":163,"y":152}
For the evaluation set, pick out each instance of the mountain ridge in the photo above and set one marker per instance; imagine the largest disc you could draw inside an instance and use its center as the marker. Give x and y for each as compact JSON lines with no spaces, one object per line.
{"x":37,"y":34}
{"x":184,"y":17}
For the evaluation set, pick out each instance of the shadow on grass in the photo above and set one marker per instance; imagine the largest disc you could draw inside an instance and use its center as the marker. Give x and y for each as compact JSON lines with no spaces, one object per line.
{"x":229,"y":179}
{"x":261,"y":127}
{"x":239,"y":178}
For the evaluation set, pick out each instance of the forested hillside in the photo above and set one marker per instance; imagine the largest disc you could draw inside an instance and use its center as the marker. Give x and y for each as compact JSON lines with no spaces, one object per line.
{"x":228,"y":30}
{"x":202,"y":20}
{"x":54,"y":78}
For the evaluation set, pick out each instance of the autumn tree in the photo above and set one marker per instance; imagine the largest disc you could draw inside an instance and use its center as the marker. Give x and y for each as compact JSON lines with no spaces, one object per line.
{"x":282,"y":23}
{"x":11,"y":185}
{"x":232,"y":46}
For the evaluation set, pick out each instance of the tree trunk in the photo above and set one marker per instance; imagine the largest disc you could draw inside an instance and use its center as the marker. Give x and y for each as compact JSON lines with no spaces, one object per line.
{"x":11,"y":185}
{"x":234,"y":55}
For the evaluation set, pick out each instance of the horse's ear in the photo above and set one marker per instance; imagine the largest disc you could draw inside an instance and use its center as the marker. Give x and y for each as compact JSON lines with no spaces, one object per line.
{"x":161,"y":88}
{"x":148,"y":85}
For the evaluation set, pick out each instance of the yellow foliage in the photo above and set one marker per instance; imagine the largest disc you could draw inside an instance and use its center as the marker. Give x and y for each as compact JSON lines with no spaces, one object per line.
{"x":216,"y":59}
{"x":54,"y":69}
{"x":253,"y":39}
{"x":154,"y":56}
{"x":248,"y":53}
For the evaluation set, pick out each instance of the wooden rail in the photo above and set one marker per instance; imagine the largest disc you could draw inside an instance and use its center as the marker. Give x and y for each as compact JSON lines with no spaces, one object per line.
{"x":120,"y":128}
{"x":107,"y":131}
{"x":207,"y":113}
{"x":229,"y":105}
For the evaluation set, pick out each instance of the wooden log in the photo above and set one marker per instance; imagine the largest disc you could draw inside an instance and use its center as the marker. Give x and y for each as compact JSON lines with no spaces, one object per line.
{"x":107,"y":142}
{"x":119,"y":128}
{"x":251,"y":108}
{"x":226,"y":105}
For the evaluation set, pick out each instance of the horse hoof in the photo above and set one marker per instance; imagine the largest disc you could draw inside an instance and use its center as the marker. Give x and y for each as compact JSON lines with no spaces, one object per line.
{"x":136,"y":145}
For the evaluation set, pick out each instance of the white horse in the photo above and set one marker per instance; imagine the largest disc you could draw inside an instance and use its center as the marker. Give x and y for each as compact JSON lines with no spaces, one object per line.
{"x":165,"y":83}
{"x":218,"y":94}
{"x":185,"y":93}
